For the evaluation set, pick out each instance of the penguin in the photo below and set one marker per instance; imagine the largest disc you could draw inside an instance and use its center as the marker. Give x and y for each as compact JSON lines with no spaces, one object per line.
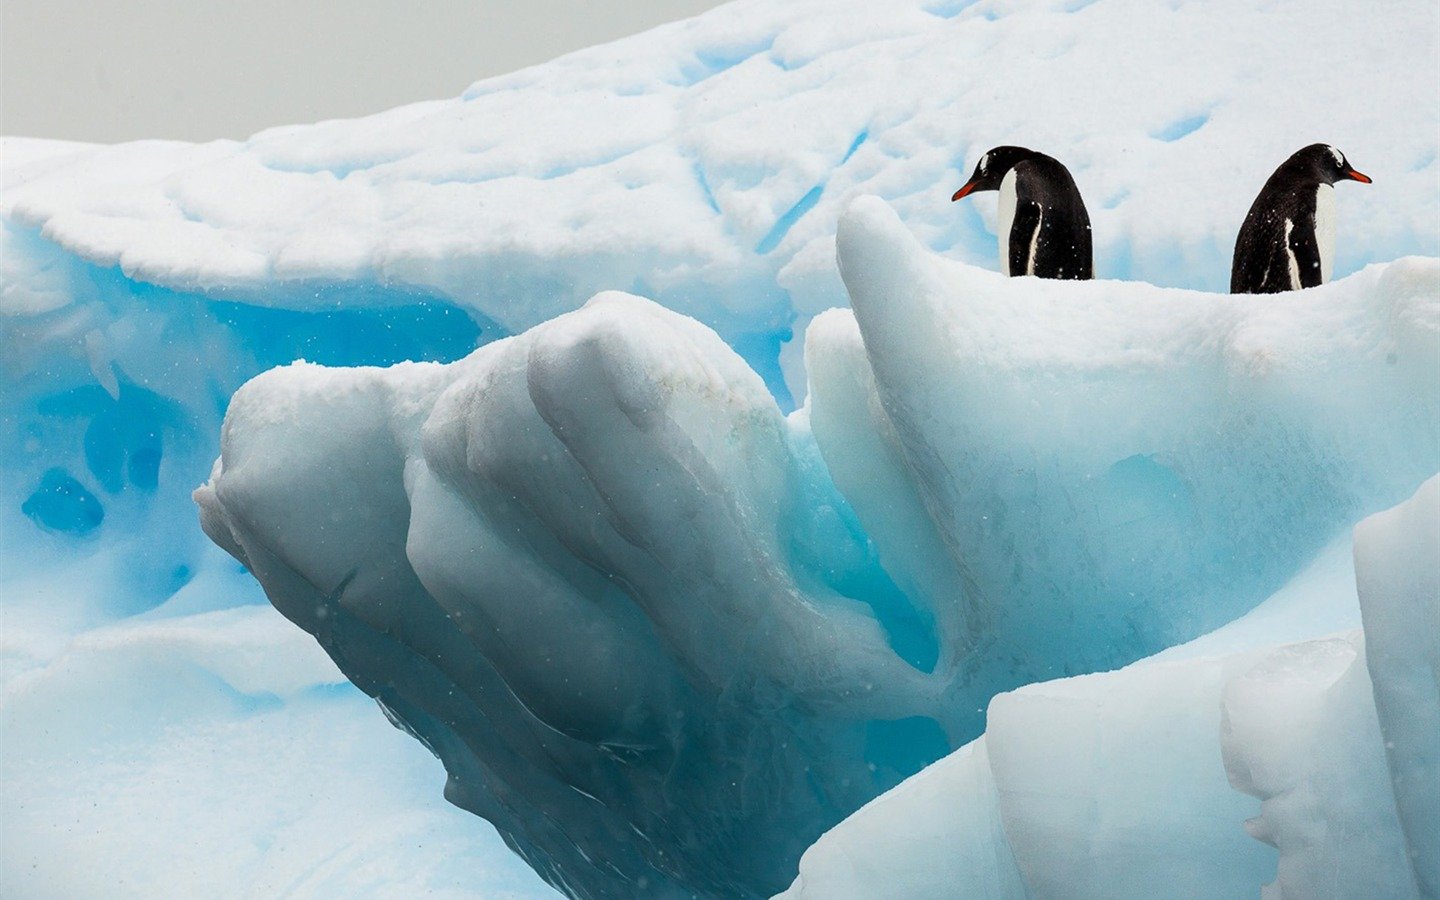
{"x":1043,"y":227}
{"x":1288,"y":239}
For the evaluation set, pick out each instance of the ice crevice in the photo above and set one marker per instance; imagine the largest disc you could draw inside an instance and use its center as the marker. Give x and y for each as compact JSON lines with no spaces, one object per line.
{"x":619,"y":593}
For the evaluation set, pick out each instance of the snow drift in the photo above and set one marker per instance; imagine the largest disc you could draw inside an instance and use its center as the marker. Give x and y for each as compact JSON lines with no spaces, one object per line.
{"x":621,"y":596}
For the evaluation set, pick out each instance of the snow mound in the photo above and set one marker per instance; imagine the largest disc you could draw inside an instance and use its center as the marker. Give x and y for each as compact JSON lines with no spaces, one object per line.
{"x":1134,"y":782}
{"x":222,"y":755}
{"x":598,"y":572}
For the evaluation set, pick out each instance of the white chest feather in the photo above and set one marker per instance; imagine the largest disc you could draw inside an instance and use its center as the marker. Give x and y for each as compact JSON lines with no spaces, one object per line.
{"x":1034,"y":245}
{"x":1325,"y":230}
{"x":1290,"y":257}
{"x":1005,"y":219}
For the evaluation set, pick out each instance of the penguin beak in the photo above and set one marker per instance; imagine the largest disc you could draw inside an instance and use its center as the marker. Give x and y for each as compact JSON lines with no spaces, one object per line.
{"x":1358,"y":176}
{"x":969,"y":186}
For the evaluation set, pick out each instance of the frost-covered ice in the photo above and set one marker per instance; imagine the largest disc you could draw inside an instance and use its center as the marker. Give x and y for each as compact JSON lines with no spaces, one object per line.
{"x":1222,"y":444}
{"x":599,"y":573}
{"x":1134,"y":783}
{"x":588,"y":567}
{"x":1395,"y":561}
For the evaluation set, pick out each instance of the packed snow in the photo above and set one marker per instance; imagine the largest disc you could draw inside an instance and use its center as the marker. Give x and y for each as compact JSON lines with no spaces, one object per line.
{"x":847,"y":534}
{"x":223,"y":755}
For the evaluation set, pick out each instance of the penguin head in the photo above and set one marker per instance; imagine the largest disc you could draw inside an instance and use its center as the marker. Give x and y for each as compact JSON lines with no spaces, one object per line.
{"x":1324,"y":164}
{"x":992,"y":168}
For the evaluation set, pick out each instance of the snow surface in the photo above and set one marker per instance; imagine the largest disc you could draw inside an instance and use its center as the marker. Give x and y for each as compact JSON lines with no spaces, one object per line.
{"x":704,"y":165}
{"x":222,"y":755}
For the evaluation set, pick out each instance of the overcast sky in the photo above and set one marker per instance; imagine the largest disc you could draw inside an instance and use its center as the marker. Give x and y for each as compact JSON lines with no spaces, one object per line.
{"x":104,"y":70}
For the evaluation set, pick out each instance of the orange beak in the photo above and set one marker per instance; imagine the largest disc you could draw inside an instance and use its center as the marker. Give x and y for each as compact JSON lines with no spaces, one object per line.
{"x":1358,"y":176}
{"x":969,"y":186}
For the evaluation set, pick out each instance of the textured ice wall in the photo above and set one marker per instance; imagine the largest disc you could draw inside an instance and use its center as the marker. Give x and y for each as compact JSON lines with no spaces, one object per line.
{"x":1134,"y":783}
{"x":114,"y":391}
{"x":1399,"y":581}
{"x":589,"y":567}
{"x":115,"y":707}
{"x":618,"y":593}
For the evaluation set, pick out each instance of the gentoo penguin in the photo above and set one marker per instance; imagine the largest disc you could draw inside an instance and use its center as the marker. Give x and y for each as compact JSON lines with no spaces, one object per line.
{"x":1043,"y":227}
{"x":1288,"y":239}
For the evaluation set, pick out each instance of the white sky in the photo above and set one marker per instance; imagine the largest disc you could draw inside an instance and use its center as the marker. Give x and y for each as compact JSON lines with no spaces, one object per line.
{"x":114,"y":70}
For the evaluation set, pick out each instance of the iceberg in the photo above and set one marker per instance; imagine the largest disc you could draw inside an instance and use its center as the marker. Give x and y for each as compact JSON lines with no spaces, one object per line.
{"x":676,"y":541}
{"x":597,"y":571}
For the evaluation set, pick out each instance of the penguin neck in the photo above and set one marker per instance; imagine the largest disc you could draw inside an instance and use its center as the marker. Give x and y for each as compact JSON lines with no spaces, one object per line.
{"x":1325,"y":230}
{"x":1005,"y":219}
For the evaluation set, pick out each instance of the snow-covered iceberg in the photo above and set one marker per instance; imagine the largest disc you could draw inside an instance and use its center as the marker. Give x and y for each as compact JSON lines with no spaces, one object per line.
{"x":656,"y":643}
{"x":704,"y":166}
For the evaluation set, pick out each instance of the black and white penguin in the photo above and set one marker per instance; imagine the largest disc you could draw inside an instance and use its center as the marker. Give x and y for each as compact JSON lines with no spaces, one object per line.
{"x":1043,"y":227}
{"x":1288,"y":239}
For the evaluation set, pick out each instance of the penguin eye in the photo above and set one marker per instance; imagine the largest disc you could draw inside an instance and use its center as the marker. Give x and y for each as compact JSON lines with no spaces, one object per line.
{"x":1339,"y":157}
{"x":984,"y":163}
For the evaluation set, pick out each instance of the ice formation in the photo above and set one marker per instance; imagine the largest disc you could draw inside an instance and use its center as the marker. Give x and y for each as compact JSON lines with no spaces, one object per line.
{"x":704,"y":166}
{"x":1115,"y":785}
{"x":597,"y":571}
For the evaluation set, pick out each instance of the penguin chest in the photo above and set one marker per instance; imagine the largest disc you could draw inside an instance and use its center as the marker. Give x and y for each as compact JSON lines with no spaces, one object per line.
{"x":1325,"y":230}
{"x":1005,"y":219}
